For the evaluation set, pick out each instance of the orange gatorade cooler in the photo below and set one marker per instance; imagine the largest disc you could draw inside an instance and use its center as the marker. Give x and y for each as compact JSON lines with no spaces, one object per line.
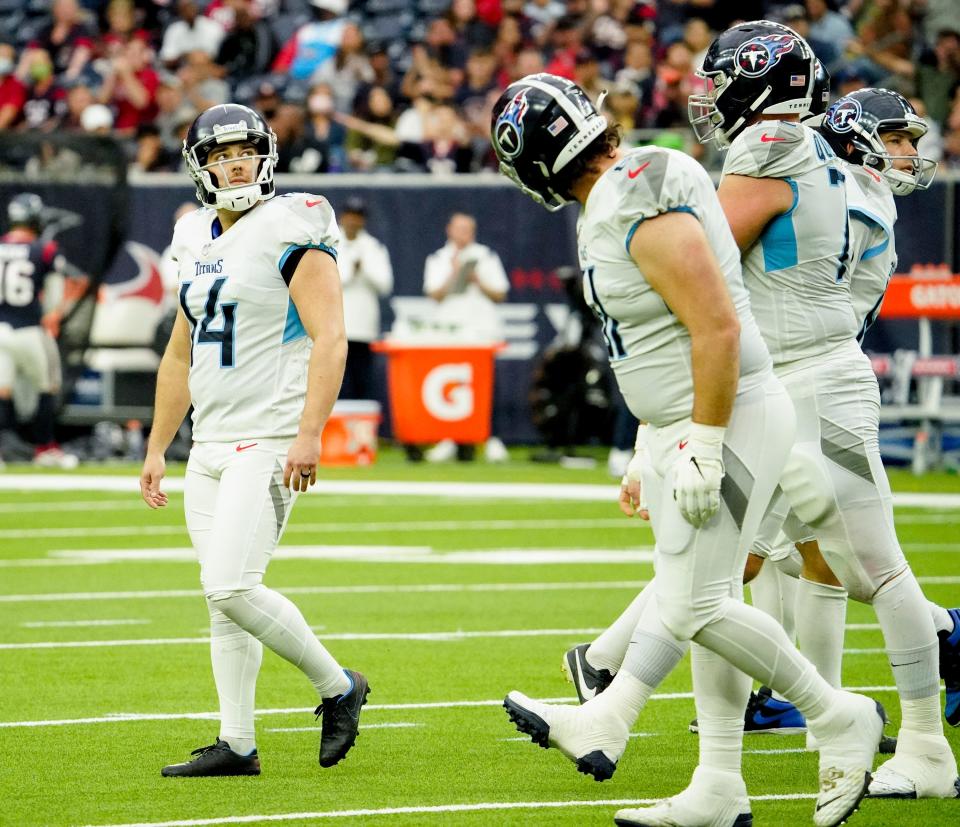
{"x":440,"y":390}
{"x":350,"y":435}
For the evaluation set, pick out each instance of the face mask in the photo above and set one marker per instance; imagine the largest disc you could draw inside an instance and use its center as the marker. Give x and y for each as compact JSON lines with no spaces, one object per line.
{"x":6,"y":66}
{"x":39,"y":72}
{"x":320,"y":104}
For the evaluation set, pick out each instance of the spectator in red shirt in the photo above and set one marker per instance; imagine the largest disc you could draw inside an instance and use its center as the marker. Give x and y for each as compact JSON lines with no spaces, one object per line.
{"x":13,"y":94}
{"x":121,"y":20}
{"x":66,"y":38}
{"x":130,"y":87}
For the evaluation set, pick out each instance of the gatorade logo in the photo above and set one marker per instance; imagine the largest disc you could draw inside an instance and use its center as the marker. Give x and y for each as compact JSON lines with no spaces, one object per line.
{"x":447,"y":391}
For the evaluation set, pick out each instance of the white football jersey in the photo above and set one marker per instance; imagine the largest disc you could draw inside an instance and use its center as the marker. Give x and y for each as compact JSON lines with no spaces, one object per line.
{"x":249,"y":349}
{"x":873,"y":250}
{"x":798,"y":270}
{"x":648,"y":346}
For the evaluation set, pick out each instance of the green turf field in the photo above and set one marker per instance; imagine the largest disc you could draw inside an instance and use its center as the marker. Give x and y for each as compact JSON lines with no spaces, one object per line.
{"x":444,"y":601}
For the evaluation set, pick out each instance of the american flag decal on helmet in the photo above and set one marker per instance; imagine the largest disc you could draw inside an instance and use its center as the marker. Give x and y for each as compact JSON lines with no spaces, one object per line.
{"x":798,"y":80}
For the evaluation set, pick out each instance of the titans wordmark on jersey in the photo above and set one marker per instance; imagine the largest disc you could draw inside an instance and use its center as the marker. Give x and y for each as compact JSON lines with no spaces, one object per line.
{"x":648,"y":346}
{"x":249,"y":349}
{"x":873,"y":249}
{"x":798,"y":271}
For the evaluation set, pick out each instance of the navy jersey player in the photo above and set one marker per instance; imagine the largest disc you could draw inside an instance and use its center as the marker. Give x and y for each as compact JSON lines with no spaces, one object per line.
{"x":662,"y":272}
{"x":31,"y":270}
{"x":258,"y":349}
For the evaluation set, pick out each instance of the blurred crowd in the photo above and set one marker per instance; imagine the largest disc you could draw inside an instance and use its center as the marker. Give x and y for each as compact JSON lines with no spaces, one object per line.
{"x":407,"y":85}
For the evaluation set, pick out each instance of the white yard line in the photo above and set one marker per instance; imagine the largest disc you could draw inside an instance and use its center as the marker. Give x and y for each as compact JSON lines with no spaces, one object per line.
{"x":71,"y":624}
{"x":795,"y":750}
{"x":128,"y":717}
{"x":391,"y":527}
{"x":395,"y":725}
{"x":354,"y":554}
{"x":419,"y":588}
{"x":429,"y":637}
{"x":433,"y":637}
{"x":431,"y":810}
{"x":470,"y":490}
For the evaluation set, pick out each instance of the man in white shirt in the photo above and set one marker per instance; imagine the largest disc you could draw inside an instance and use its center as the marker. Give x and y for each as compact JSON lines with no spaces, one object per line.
{"x":467,"y":280}
{"x":190,"y":32}
{"x":366,"y":275}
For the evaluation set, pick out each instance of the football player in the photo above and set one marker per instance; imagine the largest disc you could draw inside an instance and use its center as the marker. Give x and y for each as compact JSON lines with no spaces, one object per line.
{"x":31,"y":270}
{"x":875,"y":132}
{"x":662,"y":272}
{"x":784,"y":194}
{"x":258,"y":349}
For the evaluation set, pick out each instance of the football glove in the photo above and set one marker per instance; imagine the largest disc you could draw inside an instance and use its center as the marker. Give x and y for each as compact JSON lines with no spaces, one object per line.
{"x":699,"y":471}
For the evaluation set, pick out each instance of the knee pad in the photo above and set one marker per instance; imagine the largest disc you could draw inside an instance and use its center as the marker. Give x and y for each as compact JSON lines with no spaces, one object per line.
{"x":807,"y":486}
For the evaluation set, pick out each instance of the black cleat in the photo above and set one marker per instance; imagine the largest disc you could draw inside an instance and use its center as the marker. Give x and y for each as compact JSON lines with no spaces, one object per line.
{"x":216,"y":759}
{"x":341,"y":719}
{"x":588,"y":681}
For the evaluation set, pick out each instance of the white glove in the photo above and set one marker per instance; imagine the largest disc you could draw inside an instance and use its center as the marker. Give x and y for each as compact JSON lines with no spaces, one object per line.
{"x":633,"y":496}
{"x":699,"y":471}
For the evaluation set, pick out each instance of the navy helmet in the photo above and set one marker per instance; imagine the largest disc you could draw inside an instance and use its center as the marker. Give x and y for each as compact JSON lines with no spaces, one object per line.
{"x":853,"y":127}
{"x":756,"y":68}
{"x":540,"y":124}
{"x":225,"y":124}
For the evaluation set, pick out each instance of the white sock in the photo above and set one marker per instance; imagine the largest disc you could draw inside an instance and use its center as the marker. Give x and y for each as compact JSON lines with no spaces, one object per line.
{"x":912,"y":648}
{"x":941,"y":618}
{"x":821,"y":615}
{"x":775,"y":593}
{"x":720,"y":692}
{"x":625,"y":697}
{"x":756,"y":644}
{"x":235,"y":656}
{"x":277,"y":623}
{"x":653,"y":652}
{"x":608,"y":650}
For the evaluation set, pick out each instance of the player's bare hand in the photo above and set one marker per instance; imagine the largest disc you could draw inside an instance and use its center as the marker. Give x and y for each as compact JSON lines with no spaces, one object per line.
{"x":632,"y":502}
{"x":154,"y":468}
{"x":300,"y":472}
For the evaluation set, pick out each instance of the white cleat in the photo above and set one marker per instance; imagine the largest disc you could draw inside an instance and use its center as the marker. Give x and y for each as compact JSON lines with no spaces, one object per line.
{"x":713,"y":799}
{"x":848,"y":735}
{"x":923,"y":767}
{"x":594,"y":741}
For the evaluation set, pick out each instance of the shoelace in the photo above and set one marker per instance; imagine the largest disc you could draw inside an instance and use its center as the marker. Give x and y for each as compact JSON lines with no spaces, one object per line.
{"x":203,"y":750}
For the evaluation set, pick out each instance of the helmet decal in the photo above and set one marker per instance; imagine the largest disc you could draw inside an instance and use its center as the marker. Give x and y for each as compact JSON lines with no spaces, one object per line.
{"x":757,"y":56}
{"x":508,"y":131}
{"x":844,"y":114}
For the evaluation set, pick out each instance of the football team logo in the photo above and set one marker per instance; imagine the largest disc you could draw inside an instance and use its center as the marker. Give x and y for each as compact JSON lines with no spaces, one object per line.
{"x":757,"y":56}
{"x":844,"y":114}
{"x":508,"y":131}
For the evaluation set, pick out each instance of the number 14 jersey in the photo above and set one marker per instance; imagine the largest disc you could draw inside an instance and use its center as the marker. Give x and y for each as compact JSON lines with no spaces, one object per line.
{"x":249,"y":350}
